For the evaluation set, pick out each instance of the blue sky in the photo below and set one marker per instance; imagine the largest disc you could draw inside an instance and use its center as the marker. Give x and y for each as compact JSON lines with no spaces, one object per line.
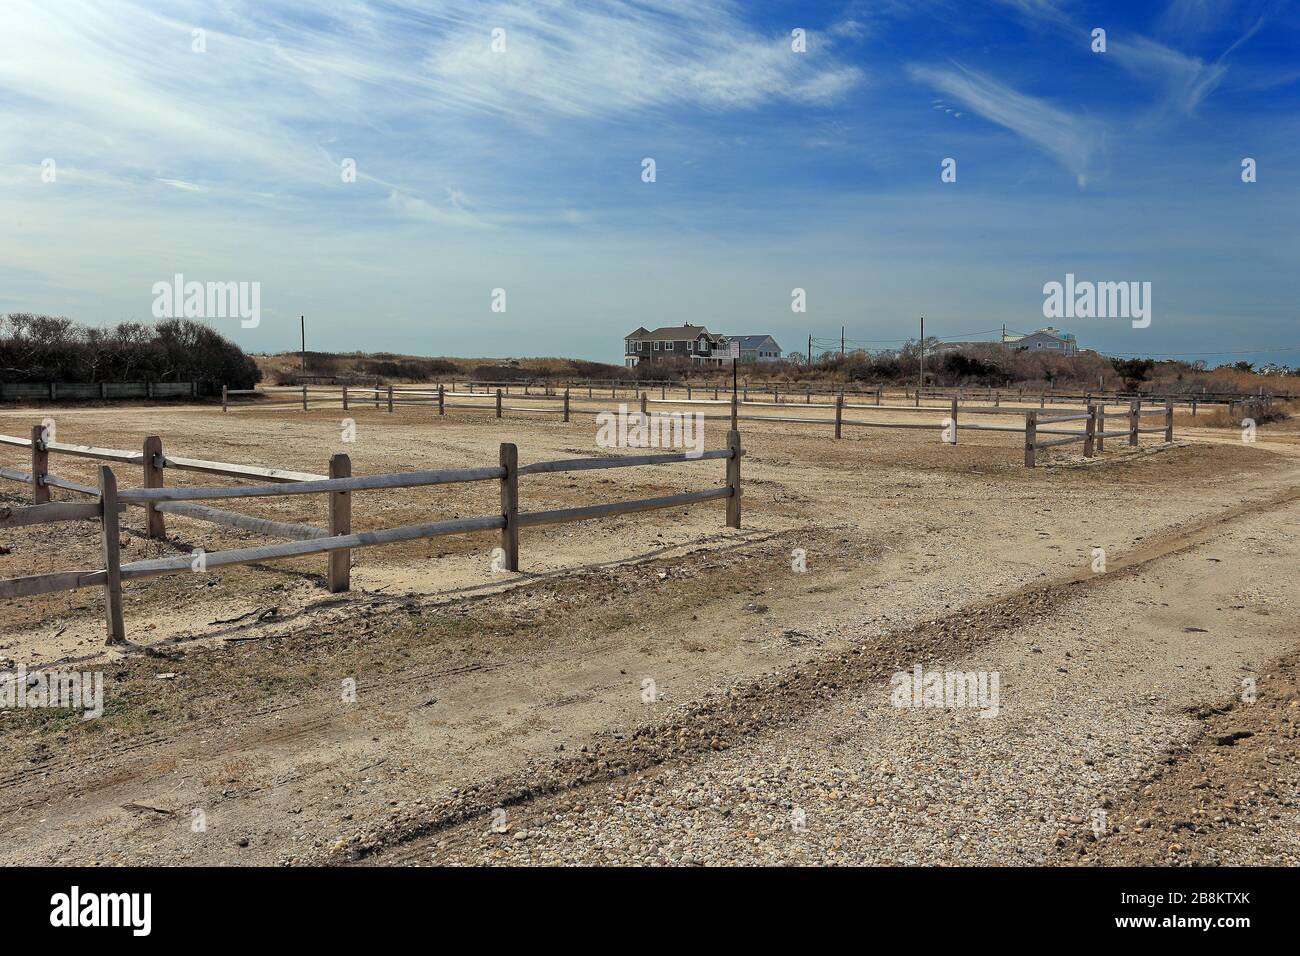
{"x":775,"y":169}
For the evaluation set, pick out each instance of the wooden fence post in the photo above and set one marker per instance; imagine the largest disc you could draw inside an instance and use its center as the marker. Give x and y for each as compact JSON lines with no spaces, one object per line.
{"x":224,"y":396}
{"x":390,"y":398}
{"x":1031,"y":436}
{"x":566,"y":403}
{"x":644,"y":399}
{"x":839,"y":413}
{"x":1193,"y":408}
{"x":1134,"y":407}
{"x":733,"y":479}
{"x":1169,"y":421}
{"x":340,"y":522}
{"x":498,"y":403}
{"x":441,"y":394}
{"x":510,"y":505}
{"x":1101,"y":427}
{"x":1090,"y":432}
{"x":109,"y":533}
{"x":153,"y":478}
{"x":304,"y":398}
{"x":953,"y":413}
{"x":345,"y":398}
{"x":40,"y":466}
{"x":688,"y":391}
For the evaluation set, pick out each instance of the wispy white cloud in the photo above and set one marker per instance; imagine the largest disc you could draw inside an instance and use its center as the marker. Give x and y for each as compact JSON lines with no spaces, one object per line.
{"x":1049,"y":10}
{"x":182,"y":184}
{"x":282,"y":93}
{"x":1191,"y":18}
{"x":610,"y":58}
{"x":1071,"y":140}
{"x":1184,"y":80}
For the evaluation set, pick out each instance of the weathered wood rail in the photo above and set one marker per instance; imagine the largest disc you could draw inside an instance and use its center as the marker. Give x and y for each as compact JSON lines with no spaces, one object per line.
{"x":1094,"y":434}
{"x":949,"y":426}
{"x":336,"y":540}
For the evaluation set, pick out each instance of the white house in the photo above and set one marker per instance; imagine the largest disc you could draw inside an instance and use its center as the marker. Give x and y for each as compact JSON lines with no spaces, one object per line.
{"x":757,"y":348}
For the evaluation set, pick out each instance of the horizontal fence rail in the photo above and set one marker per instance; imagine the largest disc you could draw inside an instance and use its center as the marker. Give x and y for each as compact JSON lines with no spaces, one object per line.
{"x":337,"y":540}
{"x":956,"y":419}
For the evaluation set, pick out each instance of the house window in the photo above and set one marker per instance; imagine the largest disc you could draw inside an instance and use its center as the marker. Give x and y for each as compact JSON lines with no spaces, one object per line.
{"x":656,"y":346}
{"x":690,"y":346}
{"x":668,"y":346}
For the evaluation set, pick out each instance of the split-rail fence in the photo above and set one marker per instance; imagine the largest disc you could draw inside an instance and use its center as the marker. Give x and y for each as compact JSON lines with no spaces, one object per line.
{"x":336,"y":540}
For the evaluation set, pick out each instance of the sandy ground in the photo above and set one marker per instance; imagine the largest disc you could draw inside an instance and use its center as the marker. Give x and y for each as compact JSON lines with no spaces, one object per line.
{"x":475,"y":690}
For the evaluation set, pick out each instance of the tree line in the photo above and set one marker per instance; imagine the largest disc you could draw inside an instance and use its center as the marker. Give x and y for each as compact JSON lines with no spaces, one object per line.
{"x":45,"y":348}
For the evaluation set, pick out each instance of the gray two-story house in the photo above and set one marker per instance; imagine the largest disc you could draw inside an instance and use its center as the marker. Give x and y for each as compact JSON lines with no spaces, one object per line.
{"x":692,"y":343}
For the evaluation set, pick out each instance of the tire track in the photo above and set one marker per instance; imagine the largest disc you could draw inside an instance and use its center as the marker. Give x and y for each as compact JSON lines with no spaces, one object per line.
{"x":724,"y":720}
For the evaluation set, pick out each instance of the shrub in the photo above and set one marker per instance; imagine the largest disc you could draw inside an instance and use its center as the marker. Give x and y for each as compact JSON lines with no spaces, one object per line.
{"x":42,"y":348}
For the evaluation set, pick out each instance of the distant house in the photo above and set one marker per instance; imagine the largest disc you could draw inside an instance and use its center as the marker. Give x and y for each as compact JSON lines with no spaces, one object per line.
{"x":957,"y":346}
{"x":1049,"y":339}
{"x":693,"y":343}
{"x":756,"y":348}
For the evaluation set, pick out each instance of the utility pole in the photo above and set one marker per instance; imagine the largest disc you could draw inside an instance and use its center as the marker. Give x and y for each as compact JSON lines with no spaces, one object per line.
{"x":810,"y":350}
{"x":302,"y":319}
{"x":922,"y":381}
{"x":841,"y":341}
{"x":1004,"y":333}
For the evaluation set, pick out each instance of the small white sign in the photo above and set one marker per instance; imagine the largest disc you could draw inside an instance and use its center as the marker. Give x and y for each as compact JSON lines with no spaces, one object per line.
{"x":735,"y":348}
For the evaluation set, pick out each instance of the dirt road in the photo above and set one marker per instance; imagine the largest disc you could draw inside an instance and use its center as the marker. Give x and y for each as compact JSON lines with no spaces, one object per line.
{"x":770,"y":687}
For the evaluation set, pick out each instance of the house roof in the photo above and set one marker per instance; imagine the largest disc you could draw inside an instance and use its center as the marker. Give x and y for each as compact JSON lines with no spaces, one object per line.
{"x":670,"y":333}
{"x":750,"y":341}
{"x":1051,"y":332}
